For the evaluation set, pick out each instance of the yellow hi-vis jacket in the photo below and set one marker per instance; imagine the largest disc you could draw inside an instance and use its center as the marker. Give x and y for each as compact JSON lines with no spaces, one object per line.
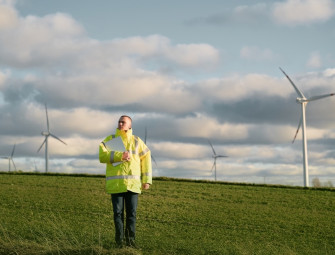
{"x":129,"y":175}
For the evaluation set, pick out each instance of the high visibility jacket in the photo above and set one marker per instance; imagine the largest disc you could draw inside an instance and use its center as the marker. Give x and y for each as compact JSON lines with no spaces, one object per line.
{"x":129,"y":175}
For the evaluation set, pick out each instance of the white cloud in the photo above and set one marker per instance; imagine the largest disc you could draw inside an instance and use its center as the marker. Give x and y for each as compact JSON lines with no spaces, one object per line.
{"x":3,"y":77}
{"x":255,"y":53}
{"x":179,"y":150}
{"x":236,"y":88}
{"x":329,"y":72}
{"x":160,"y":48}
{"x":315,"y":81}
{"x":297,"y":12}
{"x":8,"y":16}
{"x":37,"y":41}
{"x":193,"y":55}
{"x":79,"y":121}
{"x":202,"y":126}
{"x":249,"y":14}
{"x":80,"y":71}
{"x":314,"y":60}
{"x":58,"y":39}
{"x":52,"y":59}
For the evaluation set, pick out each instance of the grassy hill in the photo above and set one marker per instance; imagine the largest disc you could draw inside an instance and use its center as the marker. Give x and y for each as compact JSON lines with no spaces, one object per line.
{"x":56,"y":214}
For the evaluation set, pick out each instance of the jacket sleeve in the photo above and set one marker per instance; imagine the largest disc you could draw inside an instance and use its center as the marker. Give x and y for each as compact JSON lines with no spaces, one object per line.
{"x":106,"y":156}
{"x":146,"y":168}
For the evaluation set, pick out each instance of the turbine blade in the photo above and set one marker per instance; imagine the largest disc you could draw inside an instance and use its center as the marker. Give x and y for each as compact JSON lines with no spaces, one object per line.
{"x":296,"y":133}
{"x":294,"y":86}
{"x":42,"y":144}
{"x":13,"y":163}
{"x":153,"y":159}
{"x":46,"y":112}
{"x":213,"y":166}
{"x":57,"y":138}
{"x":320,"y":97}
{"x":211,"y":146}
{"x":13,"y":151}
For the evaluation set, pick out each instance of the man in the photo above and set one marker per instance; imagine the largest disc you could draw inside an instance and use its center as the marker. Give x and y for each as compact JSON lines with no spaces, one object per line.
{"x":127,"y":173}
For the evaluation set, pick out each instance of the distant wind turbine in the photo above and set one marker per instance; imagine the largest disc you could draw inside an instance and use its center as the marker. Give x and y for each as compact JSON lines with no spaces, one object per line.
{"x":36,"y":170}
{"x":301,"y":99}
{"x":145,"y":141}
{"x":10,"y":158}
{"x":47,"y":134}
{"x":215,"y":156}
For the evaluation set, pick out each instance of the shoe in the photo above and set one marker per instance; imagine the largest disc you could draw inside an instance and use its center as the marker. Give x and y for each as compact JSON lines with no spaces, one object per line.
{"x":131,"y":244}
{"x":119,"y":245}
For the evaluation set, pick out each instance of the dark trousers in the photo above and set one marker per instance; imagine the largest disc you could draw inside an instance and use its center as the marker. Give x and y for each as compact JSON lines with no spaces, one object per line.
{"x":120,"y":201}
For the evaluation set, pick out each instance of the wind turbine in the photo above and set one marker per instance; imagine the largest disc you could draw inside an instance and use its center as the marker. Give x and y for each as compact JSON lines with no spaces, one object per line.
{"x":301,"y":99}
{"x":47,"y":134}
{"x":215,"y":156}
{"x":10,"y":158}
{"x":145,"y":141}
{"x":36,"y":170}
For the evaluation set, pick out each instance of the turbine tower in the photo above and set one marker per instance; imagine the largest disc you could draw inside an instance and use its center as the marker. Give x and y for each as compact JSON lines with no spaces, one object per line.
{"x":301,"y":99}
{"x":215,"y":156}
{"x":10,"y":158}
{"x":47,"y":134}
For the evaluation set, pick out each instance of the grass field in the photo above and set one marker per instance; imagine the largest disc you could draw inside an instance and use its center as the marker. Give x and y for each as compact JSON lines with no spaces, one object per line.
{"x":55,"y":214}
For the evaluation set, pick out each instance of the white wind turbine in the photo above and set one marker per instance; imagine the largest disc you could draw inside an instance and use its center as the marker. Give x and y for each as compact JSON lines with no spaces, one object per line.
{"x":10,"y":158}
{"x":47,"y":134}
{"x":215,"y":156}
{"x":301,"y":99}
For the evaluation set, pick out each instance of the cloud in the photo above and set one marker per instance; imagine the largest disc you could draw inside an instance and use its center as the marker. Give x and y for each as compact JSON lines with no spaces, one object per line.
{"x":35,"y":40}
{"x":3,"y":77}
{"x":58,"y":40}
{"x":243,"y":14}
{"x":250,"y":13}
{"x":80,"y":72}
{"x":193,"y":54}
{"x":288,"y":12}
{"x":88,"y":84}
{"x":329,"y":72}
{"x":300,"y":12}
{"x":314,"y":60}
{"x":179,"y":150}
{"x":255,"y":53}
{"x":8,"y":16}
{"x":156,"y":46}
{"x":237,"y":88}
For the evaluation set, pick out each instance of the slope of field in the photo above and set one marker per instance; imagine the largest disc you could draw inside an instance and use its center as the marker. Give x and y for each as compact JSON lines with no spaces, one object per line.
{"x":50,"y":214}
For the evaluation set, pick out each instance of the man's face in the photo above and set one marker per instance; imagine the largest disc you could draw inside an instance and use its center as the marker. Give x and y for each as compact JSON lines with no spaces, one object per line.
{"x":124,"y":124}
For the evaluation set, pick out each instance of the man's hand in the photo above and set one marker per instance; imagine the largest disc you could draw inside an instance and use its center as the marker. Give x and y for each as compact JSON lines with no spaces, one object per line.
{"x":126,"y":156}
{"x":145,"y":186}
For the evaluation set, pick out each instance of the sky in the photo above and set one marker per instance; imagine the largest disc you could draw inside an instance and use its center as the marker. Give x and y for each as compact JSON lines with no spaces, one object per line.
{"x":187,"y":71}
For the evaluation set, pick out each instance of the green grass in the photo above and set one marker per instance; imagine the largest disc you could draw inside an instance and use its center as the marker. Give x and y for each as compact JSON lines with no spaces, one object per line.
{"x":56,"y":214}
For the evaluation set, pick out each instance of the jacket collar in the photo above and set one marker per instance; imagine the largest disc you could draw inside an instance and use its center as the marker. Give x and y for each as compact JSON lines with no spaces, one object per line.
{"x":125,"y":135}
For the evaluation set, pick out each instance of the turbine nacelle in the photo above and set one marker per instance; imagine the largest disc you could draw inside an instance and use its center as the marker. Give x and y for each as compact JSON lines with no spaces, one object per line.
{"x":45,"y":133}
{"x":301,"y":100}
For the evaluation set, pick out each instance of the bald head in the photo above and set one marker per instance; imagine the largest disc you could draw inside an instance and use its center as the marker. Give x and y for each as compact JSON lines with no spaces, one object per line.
{"x":124,"y":123}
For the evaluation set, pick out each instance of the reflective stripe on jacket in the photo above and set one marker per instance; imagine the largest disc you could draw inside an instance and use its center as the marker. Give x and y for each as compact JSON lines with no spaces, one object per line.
{"x":129,"y":175}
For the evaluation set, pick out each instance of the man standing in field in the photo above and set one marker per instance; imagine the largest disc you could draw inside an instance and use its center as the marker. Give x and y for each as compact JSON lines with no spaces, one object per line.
{"x":127,"y":173}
